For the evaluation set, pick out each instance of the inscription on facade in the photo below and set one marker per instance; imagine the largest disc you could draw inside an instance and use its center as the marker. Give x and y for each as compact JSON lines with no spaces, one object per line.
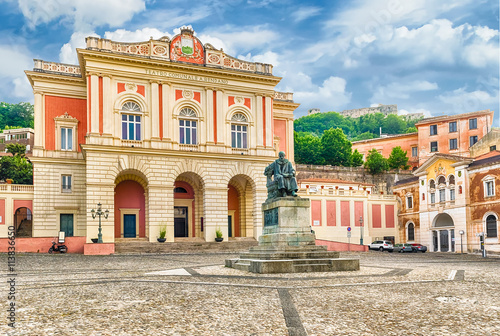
{"x":186,"y":76}
{"x":271,"y":217}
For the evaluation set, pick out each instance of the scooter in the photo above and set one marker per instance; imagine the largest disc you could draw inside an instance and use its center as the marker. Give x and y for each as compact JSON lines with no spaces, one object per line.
{"x":58,"y":248}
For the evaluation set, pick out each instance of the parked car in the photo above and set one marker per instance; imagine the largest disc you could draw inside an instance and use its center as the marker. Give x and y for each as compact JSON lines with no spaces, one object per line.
{"x":381,"y":245}
{"x":419,"y":247}
{"x":401,"y":248}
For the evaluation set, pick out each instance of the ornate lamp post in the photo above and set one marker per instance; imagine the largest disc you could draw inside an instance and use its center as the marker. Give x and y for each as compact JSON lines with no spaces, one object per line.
{"x":361,"y":230}
{"x":99,"y":213}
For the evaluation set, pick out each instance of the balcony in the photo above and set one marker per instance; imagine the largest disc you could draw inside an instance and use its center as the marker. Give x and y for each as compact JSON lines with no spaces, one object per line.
{"x":132,"y":143}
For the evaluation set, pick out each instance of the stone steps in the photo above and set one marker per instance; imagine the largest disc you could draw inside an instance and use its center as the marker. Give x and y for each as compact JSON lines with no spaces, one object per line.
{"x":141,"y":246}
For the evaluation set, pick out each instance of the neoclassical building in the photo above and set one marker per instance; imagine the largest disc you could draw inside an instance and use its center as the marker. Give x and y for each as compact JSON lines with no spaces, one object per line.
{"x":168,"y":132}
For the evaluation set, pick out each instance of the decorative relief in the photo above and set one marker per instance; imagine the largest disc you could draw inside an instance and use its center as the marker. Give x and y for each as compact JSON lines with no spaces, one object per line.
{"x":283,"y":96}
{"x":131,"y":87}
{"x":239,"y":100}
{"x":188,"y":94}
{"x":57,"y":67}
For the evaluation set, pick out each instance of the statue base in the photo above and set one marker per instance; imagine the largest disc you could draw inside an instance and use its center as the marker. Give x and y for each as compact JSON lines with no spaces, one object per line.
{"x":288,"y":245}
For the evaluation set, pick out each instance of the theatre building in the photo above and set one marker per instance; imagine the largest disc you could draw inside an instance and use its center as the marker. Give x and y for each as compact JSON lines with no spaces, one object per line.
{"x":168,"y":132}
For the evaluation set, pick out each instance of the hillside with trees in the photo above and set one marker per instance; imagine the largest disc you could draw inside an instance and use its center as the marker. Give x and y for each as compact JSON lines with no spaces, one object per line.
{"x":18,"y":115}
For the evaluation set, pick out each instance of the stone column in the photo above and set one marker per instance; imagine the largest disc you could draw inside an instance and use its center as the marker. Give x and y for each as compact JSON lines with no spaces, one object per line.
{"x":269,"y":122}
{"x":94,"y":104}
{"x":215,"y":205}
{"x":39,"y":120}
{"x":209,"y":115}
{"x":155,"y":112}
{"x":439,"y":240}
{"x":161,"y":211}
{"x":167,"y":112}
{"x":108,"y":115}
{"x":221,"y":114}
{"x":260,"y":122}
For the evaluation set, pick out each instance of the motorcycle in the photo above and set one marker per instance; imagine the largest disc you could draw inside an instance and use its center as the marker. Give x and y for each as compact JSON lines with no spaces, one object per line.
{"x":58,"y":248}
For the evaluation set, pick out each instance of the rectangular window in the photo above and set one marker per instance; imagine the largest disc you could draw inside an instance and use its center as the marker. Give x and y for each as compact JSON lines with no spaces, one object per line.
{"x":131,"y":127}
{"x":473,"y":123}
{"x":472,"y":140}
{"x":490,"y":188}
{"x":492,"y":148}
{"x":453,"y":126}
{"x":434,"y":129}
{"x":66,"y":183}
{"x":452,"y":194}
{"x":442,"y":195}
{"x":453,"y":144}
{"x":238,"y":136}
{"x":434,"y":146}
{"x":414,"y":151}
{"x":66,"y":138}
{"x":188,"y":132}
{"x":410,"y":202}
{"x":433,"y":198}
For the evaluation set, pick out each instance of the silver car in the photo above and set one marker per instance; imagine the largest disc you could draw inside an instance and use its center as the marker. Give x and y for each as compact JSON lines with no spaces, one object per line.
{"x":402,"y":248}
{"x":381,"y":245}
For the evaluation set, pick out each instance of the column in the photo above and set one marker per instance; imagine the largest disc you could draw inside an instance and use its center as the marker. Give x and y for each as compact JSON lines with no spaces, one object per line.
{"x":289,"y":141}
{"x":449,"y":240}
{"x":167,"y":112}
{"x":439,"y":240}
{"x":39,"y":120}
{"x":155,"y":112}
{"x":260,"y":123}
{"x":210,"y":115}
{"x":215,"y":217}
{"x":221,"y":134}
{"x":107,"y":106}
{"x":94,"y":104}
{"x":269,"y":122}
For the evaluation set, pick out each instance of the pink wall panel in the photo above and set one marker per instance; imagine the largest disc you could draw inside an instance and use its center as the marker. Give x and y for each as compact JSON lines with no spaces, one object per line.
{"x":345,"y":217}
{"x":376,"y":215}
{"x":331,"y":213}
{"x":358,"y":212}
{"x":23,"y":204}
{"x":280,"y":130}
{"x":389,"y":216}
{"x":2,"y":211}
{"x":130,"y":195}
{"x":316,"y":212}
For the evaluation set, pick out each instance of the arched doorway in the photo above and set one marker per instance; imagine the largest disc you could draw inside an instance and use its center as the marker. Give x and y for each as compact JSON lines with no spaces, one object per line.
{"x":188,"y":206}
{"x":241,"y":199}
{"x":23,"y":222}
{"x":130,"y":209}
{"x":443,"y":235}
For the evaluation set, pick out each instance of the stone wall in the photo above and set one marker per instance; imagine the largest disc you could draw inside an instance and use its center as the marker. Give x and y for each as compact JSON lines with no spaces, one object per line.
{"x":385,"y":109}
{"x":382,"y":182}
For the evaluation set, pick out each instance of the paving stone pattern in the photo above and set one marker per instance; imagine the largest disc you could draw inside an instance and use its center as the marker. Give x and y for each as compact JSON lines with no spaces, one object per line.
{"x":392,"y":294}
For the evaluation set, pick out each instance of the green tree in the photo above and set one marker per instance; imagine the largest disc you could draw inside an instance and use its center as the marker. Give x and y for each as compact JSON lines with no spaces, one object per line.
{"x":364,"y":136}
{"x":16,"y":167}
{"x":308,"y":149}
{"x":398,"y":159}
{"x":20,"y":115}
{"x":411,"y":129}
{"x":375,"y":162}
{"x":336,"y":148}
{"x":356,"y":159}
{"x":393,"y":124}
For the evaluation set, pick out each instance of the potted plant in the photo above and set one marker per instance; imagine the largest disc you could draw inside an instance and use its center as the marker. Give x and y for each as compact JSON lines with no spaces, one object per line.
{"x":94,"y":240}
{"x":163,"y":233}
{"x":218,"y":235}
{"x":9,"y":181}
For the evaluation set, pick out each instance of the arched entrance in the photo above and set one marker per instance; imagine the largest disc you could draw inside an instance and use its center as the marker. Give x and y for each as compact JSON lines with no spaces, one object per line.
{"x":23,"y":222}
{"x":241,"y":199}
{"x":130,"y":207}
{"x":443,"y":235}
{"x":188,"y":206}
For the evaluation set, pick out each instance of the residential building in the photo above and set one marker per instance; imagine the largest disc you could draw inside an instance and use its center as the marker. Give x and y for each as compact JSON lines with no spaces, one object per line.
{"x":17,"y":135}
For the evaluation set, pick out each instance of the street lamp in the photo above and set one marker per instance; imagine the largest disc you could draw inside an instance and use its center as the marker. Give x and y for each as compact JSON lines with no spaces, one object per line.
{"x":361,"y":230}
{"x":99,"y":213}
{"x":461,"y":240}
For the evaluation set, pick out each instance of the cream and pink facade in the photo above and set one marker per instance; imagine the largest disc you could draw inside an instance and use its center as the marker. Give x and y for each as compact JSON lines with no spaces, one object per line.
{"x":167,"y":132}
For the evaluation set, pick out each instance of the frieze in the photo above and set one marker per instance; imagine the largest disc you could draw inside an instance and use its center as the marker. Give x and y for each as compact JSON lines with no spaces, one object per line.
{"x":186,"y":76}
{"x":271,"y":217}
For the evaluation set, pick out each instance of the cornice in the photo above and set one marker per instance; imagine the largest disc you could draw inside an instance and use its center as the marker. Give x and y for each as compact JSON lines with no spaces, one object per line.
{"x":156,"y":64}
{"x":173,"y":153}
{"x":51,"y":160}
{"x":51,"y":77}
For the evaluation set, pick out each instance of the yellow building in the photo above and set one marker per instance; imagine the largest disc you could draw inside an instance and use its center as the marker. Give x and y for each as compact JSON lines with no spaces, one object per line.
{"x":167,"y":132}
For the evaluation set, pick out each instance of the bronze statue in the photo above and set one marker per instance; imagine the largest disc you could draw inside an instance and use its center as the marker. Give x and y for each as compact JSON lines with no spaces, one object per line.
{"x":284,"y":183}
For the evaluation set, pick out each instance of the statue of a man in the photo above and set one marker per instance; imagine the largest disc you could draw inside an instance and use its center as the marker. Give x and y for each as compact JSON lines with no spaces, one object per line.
{"x":284,"y":175}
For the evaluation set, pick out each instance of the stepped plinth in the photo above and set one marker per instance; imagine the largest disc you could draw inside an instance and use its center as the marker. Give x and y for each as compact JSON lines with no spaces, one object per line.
{"x":287,"y":244}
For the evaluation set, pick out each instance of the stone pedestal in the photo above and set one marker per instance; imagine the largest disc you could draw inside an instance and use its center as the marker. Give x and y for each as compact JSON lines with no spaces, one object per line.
{"x":287,"y":244}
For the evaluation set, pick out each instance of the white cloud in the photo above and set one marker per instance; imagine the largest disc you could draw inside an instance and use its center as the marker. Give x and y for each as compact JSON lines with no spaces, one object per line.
{"x":304,"y":13}
{"x":14,"y":59}
{"x":330,"y":96}
{"x":83,"y":14}
{"x":400,"y":90}
{"x":268,"y":57}
{"x":485,"y":33}
{"x":461,"y":100}
{"x":68,"y":50}
{"x":140,"y":35}
{"x":427,"y":113}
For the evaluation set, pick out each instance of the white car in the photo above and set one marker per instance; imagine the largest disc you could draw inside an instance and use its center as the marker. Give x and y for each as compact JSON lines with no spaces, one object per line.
{"x":381,"y":245}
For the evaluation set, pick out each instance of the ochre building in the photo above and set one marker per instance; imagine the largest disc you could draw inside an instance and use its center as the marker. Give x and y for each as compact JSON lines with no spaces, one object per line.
{"x":168,"y":132}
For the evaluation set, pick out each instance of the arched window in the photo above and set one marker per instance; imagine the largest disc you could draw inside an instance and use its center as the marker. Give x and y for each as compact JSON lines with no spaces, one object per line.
{"x":411,"y":232}
{"x":188,"y":125}
{"x":239,"y":129}
{"x":441,"y":180}
{"x":451,"y":180}
{"x":491,"y":226}
{"x":432,"y":184}
{"x":180,"y":190}
{"x":131,"y":121}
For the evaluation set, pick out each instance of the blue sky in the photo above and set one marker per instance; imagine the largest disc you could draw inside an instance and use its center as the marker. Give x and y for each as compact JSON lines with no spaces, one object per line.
{"x":431,"y":56}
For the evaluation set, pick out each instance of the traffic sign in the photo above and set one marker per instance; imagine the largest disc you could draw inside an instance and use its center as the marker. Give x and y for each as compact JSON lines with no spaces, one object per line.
{"x":349,"y":229}
{"x":349,"y":234}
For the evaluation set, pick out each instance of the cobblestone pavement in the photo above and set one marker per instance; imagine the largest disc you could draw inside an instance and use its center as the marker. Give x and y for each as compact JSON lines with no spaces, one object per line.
{"x":193,"y":294}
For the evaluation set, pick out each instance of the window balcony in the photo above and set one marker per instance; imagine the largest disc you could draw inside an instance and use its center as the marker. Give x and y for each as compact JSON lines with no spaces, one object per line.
{"x":132,"y":143}
{"x":189,"y":148}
